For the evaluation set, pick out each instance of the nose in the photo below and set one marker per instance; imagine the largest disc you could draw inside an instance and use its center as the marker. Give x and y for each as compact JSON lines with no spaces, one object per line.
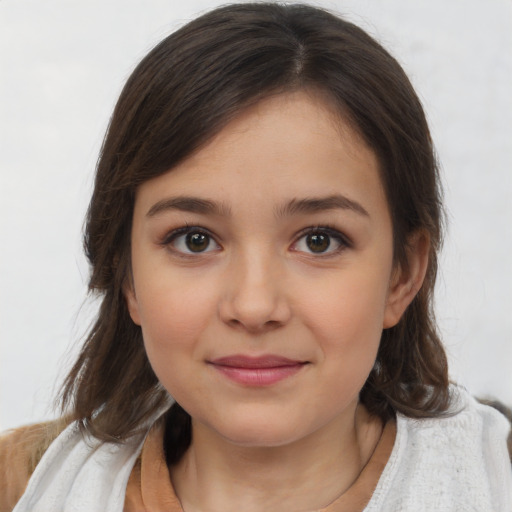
{"x":254,"y":297}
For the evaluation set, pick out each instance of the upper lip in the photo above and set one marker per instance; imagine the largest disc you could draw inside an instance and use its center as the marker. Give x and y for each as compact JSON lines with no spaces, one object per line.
{"x":267,"y":361}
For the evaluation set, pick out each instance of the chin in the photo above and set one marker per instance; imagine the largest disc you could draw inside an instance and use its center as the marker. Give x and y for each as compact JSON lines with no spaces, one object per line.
{"x":252,"y":433}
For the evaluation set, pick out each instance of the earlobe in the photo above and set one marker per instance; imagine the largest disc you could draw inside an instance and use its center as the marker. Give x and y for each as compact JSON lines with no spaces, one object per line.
{"x":407,"y":280}
{"x":131,"y":302}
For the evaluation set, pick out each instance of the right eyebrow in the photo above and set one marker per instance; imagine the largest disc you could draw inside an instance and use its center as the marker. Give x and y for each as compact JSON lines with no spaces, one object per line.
{"x":189,"y":204}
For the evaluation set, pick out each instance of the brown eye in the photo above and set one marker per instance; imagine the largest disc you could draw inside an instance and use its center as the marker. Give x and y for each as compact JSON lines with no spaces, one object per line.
{"x":197,"y":242}
{"x":323,"y":241}
{"x":191,"y":240}
{"x":318,"y":242}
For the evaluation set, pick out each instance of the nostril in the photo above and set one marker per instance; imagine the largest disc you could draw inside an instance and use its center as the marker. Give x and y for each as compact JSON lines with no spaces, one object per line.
{"x":255,"y":327}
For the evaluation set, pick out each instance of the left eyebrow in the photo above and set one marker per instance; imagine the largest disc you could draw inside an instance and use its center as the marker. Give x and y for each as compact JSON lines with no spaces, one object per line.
{"x":319,"y":204}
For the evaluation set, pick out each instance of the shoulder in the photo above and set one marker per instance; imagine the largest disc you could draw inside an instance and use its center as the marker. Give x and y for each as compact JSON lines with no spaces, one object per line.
{"x":455,"y":462}
{"x":476,"y":427}
{"x":507,"y":413}
{"x":76,"y":471}
{"x":21,"y":450}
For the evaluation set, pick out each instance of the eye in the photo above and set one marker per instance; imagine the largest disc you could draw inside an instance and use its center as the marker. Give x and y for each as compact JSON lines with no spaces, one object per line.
{"x":191,"y":240}
{"x":321,"y":240}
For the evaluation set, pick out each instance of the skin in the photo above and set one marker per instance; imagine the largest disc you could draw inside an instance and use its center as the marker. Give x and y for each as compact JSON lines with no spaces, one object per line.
{"x":257,"y":289}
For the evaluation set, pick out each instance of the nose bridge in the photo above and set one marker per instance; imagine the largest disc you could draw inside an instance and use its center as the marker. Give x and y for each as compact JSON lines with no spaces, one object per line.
{"x":254,"y":294}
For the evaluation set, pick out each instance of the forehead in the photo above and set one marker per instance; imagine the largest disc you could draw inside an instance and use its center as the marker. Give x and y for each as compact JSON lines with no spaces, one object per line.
{"x":286,"y":146}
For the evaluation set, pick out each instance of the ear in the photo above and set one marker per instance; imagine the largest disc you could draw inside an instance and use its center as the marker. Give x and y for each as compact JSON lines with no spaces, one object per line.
{"x":131,"y":301}
{"x":407,"y":280}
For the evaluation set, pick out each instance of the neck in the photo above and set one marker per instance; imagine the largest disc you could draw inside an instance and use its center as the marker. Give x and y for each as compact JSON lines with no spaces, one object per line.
{"x":307,"y":474}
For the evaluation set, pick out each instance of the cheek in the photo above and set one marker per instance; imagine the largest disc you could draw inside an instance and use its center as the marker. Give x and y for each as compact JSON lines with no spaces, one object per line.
{"x":173,"y":315}
{"x":346,"y":315}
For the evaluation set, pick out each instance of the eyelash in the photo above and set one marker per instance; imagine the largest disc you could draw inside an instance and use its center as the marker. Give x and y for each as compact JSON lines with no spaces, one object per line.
{"x":332,"y":234}
{"x":171,"y":238}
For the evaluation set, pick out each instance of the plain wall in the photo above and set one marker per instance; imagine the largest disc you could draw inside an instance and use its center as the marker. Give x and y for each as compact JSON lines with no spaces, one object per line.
{"x":62,"y":66}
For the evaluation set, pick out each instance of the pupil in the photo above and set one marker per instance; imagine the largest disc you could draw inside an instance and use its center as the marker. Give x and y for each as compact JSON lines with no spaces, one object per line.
{"x":318,"y":242}
{"x":197,"y":242}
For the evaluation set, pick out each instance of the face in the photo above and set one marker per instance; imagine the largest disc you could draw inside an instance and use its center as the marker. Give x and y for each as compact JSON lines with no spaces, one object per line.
{"x":263,"y":273}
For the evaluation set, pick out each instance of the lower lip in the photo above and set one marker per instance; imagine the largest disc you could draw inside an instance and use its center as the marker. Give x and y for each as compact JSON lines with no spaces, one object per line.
{"x":258,"y":377}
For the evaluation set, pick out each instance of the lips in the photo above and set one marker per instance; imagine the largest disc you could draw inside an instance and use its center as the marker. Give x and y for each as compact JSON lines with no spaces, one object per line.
{"x":257,"y":371}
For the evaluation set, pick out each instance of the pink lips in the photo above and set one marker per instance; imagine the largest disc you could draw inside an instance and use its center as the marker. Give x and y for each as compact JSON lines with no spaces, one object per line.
{"x":257,"y":371}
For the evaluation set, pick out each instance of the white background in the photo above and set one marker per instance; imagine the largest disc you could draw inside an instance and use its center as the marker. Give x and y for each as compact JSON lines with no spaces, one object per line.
{"x":62,"y":65}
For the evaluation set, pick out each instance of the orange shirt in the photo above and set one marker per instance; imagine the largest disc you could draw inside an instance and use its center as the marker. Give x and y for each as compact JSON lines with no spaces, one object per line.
{"x":149,"y":488}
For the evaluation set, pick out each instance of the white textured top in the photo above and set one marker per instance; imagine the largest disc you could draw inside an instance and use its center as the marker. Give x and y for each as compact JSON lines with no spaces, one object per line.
{"x":458,"y":463}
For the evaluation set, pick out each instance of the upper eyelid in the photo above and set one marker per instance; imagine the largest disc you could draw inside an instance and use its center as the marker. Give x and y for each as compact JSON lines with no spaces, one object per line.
{"x":174,"y":233}
{"x":331,"y":231}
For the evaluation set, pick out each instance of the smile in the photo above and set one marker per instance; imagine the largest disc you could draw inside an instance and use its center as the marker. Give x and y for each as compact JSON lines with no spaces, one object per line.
{"x":257,"y":371}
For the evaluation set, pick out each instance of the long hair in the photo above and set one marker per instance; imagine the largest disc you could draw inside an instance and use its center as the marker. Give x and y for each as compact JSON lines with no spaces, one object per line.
{"x":182,"y":94}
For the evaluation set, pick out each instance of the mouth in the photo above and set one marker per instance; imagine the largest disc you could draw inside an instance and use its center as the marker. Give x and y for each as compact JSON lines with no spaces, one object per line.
{"x":257,"y":371}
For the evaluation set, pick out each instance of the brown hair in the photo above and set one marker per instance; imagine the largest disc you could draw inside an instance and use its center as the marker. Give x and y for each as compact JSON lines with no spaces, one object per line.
{"x":180,"y":95}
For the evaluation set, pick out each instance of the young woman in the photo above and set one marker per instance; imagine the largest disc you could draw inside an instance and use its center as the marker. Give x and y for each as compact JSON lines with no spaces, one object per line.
{"x":264,"y":232}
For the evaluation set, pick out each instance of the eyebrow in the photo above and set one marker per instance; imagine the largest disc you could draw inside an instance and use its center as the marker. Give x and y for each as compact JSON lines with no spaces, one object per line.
{"x":292,"y":207}
{"x":312,"y":205}
{"x":189,"y":204}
